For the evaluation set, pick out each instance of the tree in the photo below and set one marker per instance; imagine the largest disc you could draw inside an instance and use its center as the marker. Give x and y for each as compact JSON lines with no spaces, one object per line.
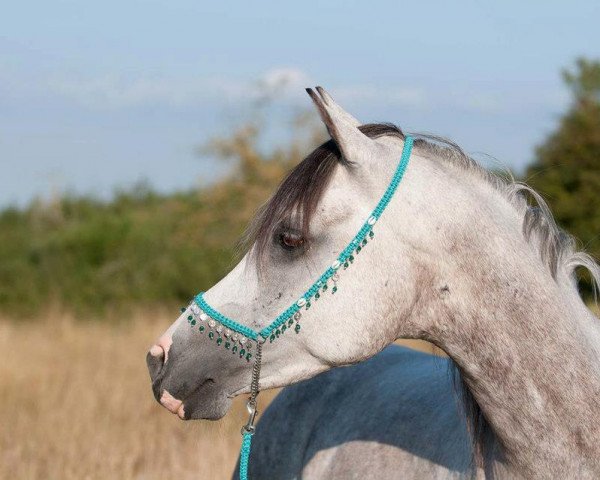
{"x":566,"y":169}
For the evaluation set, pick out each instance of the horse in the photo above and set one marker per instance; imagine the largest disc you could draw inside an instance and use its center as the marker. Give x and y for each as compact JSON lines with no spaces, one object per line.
{"x":398,"y":414}
{"x":460,"y":259}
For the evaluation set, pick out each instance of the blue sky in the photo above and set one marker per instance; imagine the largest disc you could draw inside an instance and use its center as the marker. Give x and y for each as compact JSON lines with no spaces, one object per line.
{"x":95,"y":96}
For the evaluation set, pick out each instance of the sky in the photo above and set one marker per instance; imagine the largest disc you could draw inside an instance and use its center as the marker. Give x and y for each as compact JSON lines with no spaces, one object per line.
{"x":97,"y":96}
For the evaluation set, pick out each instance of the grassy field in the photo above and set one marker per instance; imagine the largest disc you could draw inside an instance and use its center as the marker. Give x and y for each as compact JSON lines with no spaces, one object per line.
{"x":76,"y":404}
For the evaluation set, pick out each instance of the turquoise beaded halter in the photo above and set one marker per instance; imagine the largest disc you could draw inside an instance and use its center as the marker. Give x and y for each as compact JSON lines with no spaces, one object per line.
{"x":239,"y":339}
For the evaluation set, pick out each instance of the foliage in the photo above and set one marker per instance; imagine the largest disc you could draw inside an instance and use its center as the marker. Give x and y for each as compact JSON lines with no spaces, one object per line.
{"x":143,"y":248}
{"x":567,"y":165}
{"x":95,"y":257}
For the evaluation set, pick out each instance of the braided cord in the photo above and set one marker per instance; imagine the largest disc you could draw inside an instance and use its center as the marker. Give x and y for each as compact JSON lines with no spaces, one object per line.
{"x":245,"y":455}
{"x":322,"y":280}
{"x":356,"y":241}
{"x":228,"y":322}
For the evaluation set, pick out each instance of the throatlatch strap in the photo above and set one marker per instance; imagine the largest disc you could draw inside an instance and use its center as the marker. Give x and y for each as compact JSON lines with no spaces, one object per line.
{"x":245,"y":455}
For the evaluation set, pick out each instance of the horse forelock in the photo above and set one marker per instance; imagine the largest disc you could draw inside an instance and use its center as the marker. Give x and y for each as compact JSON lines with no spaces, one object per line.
{"x":300,"y":192}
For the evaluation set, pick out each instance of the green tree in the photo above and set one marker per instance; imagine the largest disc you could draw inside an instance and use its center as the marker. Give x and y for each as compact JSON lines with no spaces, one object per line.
{"x":566,"y":169}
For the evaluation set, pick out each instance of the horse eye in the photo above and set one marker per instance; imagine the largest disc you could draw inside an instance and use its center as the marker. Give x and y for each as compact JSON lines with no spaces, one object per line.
{"x":290,"y":240}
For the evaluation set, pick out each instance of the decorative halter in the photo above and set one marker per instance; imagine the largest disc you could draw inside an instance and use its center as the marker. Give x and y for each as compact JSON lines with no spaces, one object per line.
{"x":239,"y":339}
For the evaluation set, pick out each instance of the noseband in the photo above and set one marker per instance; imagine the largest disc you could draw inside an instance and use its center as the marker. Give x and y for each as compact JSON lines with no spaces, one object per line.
{"x":239,"y":339}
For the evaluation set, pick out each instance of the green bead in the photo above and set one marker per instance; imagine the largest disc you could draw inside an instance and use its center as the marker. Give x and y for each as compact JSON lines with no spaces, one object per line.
{"x":242,"y":352}
{"x":201,"y":328}
{"x":297,"y":328}
{"x":364,"y":242}
{"x":277,"y":333}
{"x":248,"y":357}
{"x":290,"y":322}
{"x":234,"y":349}
{"x":271,"y":338}
{"x":182,"y":309}
{"x":283,"y":328}
{"x":190,"y":317}
{"x":227,"y":345}
{"x":317,"y":296}
{"x":346,"y":265}
{"x":325,"y":287}
{"x":333,"y":290}
{"x":219,"y":340}
{"x":193,"y":322}
{"x":351,"y":258}
{"x":371,"y":234}
{"x":358,"y":249}
{"x":211,"y":335}
{"x":308,"y":305}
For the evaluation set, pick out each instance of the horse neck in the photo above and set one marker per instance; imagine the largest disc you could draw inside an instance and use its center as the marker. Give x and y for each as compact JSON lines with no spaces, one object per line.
{"x":525,"y":343}
{"x":535,"y":377}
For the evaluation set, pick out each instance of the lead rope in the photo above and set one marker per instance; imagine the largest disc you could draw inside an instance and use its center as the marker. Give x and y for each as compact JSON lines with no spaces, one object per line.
{"x":248,"y":429}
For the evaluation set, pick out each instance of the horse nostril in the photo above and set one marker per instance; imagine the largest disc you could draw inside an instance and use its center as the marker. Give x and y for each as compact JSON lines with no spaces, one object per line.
{"x":157,"y":351}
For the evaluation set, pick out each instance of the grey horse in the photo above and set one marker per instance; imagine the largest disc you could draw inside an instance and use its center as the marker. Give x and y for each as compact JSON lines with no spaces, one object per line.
{"x":460,"y":259}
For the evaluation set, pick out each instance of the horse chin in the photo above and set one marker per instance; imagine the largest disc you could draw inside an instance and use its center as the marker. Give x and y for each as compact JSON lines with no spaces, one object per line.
{"x":199,"y":407}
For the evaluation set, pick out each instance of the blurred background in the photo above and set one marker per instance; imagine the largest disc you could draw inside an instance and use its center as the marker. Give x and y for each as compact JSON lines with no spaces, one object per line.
{"x":137,"y":139}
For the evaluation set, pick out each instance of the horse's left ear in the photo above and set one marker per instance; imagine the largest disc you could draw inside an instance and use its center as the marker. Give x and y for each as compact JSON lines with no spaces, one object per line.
{"x":342,"y":127}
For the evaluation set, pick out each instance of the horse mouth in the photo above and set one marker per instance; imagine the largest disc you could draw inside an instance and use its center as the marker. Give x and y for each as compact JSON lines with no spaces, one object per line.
{"x":172,"y":404}
{"x":178,"y":406}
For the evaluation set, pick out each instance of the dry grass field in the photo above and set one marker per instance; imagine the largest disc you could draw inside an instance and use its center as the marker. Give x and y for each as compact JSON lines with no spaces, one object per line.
{"x":76,"y":404}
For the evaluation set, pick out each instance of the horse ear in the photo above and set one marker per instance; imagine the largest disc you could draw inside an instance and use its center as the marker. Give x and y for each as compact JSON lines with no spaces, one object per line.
{"x":342,"y":127}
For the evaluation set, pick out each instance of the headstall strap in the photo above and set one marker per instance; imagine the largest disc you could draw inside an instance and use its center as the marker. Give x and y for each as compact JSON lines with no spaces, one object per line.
{"x":238,"y":338}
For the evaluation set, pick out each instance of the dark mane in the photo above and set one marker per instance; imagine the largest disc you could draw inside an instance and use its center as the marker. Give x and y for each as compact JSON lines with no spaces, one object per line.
{"x":300,"y":192}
